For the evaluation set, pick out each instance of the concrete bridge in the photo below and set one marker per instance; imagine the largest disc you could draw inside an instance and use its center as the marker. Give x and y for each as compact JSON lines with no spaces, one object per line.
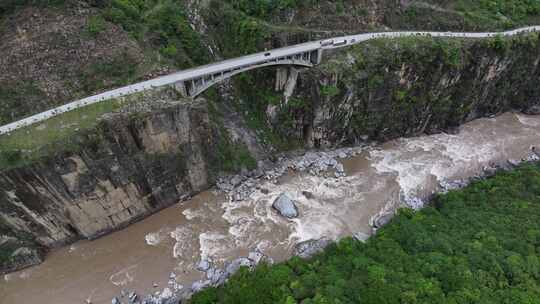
{"x":194,"y":81}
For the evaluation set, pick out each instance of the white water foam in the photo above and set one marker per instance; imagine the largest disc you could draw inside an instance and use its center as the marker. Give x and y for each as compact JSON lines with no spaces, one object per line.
{"x":417,"y":161}
{"x":184,"y":237}
{"x":154,"y":238}
{"x":528,"y":120}
{"x":124,"y":276}
{"x":212,"y":245}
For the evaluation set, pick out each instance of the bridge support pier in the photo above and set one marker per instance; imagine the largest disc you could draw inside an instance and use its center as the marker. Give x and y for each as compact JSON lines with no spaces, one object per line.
{"x":286,"y":78}
{"x":181,"y":88}
{"x":290,"y":85}
{"x":316,"y":56}
{"x":281,"y":78}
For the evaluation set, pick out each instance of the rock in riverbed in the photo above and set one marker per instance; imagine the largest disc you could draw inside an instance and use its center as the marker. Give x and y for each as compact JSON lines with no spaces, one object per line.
{"x":309,"y":248}
{"x":235,"y":265}
{"x":285,"y":206}
{"x":361,"y":237}
{"x":382,"y":219}
{"x":204,"y":265}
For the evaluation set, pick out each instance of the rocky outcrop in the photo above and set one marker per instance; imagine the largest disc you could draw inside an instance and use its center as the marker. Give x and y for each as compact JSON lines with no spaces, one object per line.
{"x":132,"y":165}
{"x":382,"y":90}
{"x":20,"y":258}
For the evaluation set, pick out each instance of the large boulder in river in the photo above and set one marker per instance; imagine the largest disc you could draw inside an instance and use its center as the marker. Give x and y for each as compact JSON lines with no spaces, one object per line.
{"x":309,"y":248}
{"x":285,"y":206}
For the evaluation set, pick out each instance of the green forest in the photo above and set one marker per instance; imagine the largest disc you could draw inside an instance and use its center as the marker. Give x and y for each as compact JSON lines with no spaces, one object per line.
{"x":480,"y":244}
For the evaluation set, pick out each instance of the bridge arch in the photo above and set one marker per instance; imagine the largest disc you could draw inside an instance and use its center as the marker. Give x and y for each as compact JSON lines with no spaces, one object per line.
{"x":195,"y":87}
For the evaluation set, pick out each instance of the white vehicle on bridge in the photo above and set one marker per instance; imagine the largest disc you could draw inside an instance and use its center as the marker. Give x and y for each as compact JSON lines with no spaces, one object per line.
{"x":327,"y":42}
{"x":340,"y":42}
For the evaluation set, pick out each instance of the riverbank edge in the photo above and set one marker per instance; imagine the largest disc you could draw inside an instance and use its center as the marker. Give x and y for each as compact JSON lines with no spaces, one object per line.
{"x":492,"y":172}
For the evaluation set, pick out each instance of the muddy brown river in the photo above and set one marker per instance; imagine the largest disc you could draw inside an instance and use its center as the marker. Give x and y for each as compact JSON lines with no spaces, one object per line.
{"x":212,"y":226}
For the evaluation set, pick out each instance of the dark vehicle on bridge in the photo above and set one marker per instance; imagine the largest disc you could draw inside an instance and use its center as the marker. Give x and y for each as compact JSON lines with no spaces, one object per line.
{"x":267,"y":54}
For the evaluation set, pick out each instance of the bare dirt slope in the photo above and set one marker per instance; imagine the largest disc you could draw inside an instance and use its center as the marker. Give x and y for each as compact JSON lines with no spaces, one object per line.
{"x":51,"y":55}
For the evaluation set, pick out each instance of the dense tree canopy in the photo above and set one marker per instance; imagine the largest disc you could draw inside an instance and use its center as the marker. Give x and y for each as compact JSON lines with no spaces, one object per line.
{"x":476,"y":245}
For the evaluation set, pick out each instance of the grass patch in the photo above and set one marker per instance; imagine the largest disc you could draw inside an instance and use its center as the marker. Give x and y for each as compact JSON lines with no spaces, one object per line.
{"x":472,"y":14}
{"x":480,"y":244}
{"x":96,"y":25}
{"x":30,"y":143}
{"x":18,"y":98}
{"x":502,"y":14}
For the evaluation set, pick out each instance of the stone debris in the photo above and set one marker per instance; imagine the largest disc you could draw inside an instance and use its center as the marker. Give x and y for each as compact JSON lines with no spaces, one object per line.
{"x":216,"y":276}
{"x":256,"y":256}
{"x":382,"y":219}
{"x":239,"y":187}
{"x":235,"y":265}
{"x":199,"y":285}
{"x":452,"y":185}
{"x":173,"y":284}
{"x":204,"y":265}
{"x":309,"y":248}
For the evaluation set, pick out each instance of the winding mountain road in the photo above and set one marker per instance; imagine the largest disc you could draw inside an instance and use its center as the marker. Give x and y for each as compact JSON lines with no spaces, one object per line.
{"x":241,"y":62}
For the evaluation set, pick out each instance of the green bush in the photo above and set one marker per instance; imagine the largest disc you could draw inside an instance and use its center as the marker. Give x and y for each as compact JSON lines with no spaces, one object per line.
{"x":10,"y":158}
{"x":164,"y":23}
{"x":96,"y":25}
{"x":329,"y":90}
{"x":267,"y":8}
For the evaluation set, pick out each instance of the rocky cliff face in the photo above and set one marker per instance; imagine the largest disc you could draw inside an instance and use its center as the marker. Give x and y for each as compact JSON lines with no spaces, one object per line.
{"x":388,"y":89}
{"x":133,"y":164}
